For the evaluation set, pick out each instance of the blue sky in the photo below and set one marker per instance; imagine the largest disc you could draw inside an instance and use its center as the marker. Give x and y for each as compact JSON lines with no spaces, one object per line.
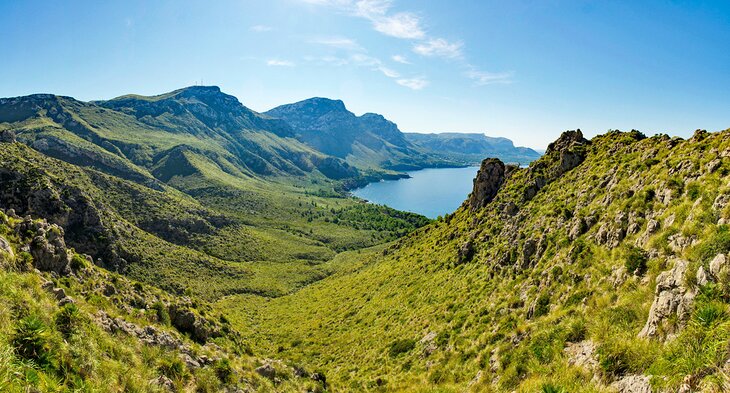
{"x":526,"y":70}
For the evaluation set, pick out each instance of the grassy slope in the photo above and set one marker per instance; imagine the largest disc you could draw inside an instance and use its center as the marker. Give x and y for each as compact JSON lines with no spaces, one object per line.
{"x":64,"y":348}
{"x":221,"y":245}
{"x":366,"y":328}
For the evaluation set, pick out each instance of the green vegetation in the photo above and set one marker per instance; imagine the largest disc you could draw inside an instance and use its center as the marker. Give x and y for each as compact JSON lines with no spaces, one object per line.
{"x":219,"y":230}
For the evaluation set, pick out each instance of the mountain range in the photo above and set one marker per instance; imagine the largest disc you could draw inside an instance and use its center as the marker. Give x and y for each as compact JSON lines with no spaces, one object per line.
{"x":472,"y":148}
{"x":184,"y":242}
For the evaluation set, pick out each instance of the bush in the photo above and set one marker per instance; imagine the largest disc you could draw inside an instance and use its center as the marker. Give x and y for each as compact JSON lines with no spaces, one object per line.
{"x":31,"y":341}
{"x":224,"y":370}
{"x":398,"y":347}
{"x":78,"y":262}
{"x":163,"y":316}
{"x":706,"y":315}
{"x":174,"y":369}
{"x":68,"y":319}
{"x":635,"y":262}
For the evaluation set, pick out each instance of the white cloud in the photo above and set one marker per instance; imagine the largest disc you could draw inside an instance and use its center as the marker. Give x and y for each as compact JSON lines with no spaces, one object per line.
{"x":482,"y":78}
{"x":413,"y":83}
{"x":388,"y":72}
{"x":337,"y":42}
{"x":260,"y":28}
{"x":439,"y":47}
{"x":402,"y":25}
{"x":371,"y":8}
{"x":400,"y":59}
{"x":279,"y":63}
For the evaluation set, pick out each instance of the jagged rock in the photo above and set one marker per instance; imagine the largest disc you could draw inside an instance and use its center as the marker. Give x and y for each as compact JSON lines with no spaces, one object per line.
{"x":578,"y":228}
{"x":582,"y":354}
{"x":58,"y":293}
{"x":717,"y":265}
{"x":528,"y":251}
{"x":672,"y":298}
{"x":7,"y":136}
{"x":148,"y":335}
{"x":164,"y":382}
{"x":618,"y":276}
{"x":489,"y":179}
{"x":189,"y":361}
{"x":429,"y":344}
{"x":6,"y":252}
{"x":701,"y":276}
{"x":267,"y":371}
{"x":186,"y":321}
{"x":48,"y":247}
{"x":466,"y":252}
{"x":633,"y":384}
{"x":721,"y":202}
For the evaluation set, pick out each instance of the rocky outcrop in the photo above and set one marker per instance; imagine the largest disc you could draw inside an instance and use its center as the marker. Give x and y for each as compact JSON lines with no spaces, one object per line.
{"x":149,"y":335}
{"x":186,"y":320}
{"x":48,"y":247}
{"x":672,"y":297}
{"x":7,"y":136}
{"x":566,"y":153}
{"x":489,"y":179}
{"x":633,"y":384}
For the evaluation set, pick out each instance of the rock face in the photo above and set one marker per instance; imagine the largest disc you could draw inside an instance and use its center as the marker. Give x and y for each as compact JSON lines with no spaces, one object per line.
{"x":489,"y":179}
{"x":47,"y":247}
{"x":185,"y":320}
{"x":672,"y":298}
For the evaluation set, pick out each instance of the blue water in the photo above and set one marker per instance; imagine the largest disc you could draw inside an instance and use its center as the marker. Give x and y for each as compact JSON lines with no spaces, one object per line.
{"x":431,"y":192}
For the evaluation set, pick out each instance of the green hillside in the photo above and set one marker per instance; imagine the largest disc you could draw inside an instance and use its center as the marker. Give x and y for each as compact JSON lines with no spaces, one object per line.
{"x":542,"y":281}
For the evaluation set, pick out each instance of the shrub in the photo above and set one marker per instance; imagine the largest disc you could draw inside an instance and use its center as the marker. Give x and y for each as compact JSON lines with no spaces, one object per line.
{"x":224,"y":370}
{"x":635,"y":260}
{"x":68,"y":319}
{"x":78,"y":262}
{"x":31,"y":341}
{"x":398,"y":347}
{"x":550,"y":388}
{"x":163,"y":316}
{"x":174,"y":369}
{"x":706,"y":315}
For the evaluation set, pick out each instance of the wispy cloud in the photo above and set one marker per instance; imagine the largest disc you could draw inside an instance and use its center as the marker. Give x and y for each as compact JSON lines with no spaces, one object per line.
{"x":279,"y":63}
{"x":337,"y":42}
{"x":482,"y":78}
{"x":401,"y":25}
{"x":400,"y":59}
{"x":413,"y":83}
{"x":261,"y":28}
{"x":439,"y":47}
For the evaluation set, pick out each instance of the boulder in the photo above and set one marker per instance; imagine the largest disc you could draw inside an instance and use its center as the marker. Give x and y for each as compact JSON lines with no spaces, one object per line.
{"x":49,"y":251}
{"x":632,"y":384}
{"x":672,"y":297}
{"x":7,"y":136}
{"x":489,"y":179}
{"x":267,"y":371}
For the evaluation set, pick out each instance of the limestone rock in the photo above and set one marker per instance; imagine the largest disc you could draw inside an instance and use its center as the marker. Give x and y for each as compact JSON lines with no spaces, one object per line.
{"x":633,"y":384}
{"x":582,"y":354}
{"x":489,"y":179}
{"x":48,"y":247}
{"x":717,"y":265}
{"x":672,"y":298}
{"x":701,"y":276}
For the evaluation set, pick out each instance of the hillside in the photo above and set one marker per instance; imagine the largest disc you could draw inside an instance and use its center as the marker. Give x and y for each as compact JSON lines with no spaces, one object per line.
{"x":472,"y":148}
{"x":600,"y":267}
{"x":368,"y":142}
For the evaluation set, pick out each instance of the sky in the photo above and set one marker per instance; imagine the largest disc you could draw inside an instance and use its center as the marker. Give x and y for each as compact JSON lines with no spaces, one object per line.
{"x":525,"y":70}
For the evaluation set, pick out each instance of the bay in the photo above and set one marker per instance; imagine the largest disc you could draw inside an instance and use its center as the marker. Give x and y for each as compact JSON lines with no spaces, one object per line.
{"x":431,"y":192}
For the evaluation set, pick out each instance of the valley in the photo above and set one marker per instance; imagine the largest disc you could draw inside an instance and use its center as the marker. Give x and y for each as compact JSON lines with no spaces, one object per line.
{"x":188,"y":217}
